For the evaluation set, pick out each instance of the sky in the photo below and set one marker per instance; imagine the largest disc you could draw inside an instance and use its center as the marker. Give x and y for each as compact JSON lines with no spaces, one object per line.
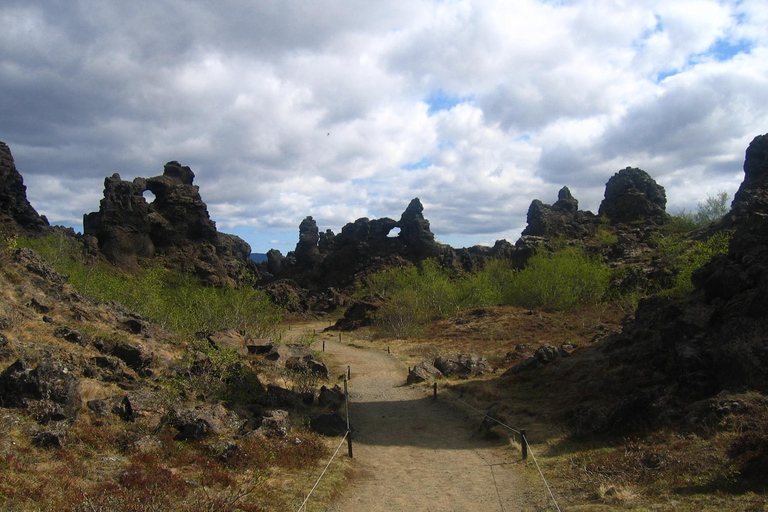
{"x":344,"y":109}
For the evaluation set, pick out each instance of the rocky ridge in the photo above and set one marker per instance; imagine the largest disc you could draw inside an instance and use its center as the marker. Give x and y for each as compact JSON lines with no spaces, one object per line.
{"x":175,"y":225}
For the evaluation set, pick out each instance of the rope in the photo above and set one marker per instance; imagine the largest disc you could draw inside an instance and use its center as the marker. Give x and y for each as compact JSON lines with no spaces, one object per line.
{"x":481,"y":412}
{"x":525,"y":440}
{"x":323,"y":473}
{"x":542,"y":475}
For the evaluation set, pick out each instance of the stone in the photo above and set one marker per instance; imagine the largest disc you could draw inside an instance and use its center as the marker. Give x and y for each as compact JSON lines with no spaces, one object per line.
{"x":275,"y":423}
{"x":359,"y":314}
{"x":260,"y":346}
{"x":328,"y":424}
{"x":423,"y":372}
{"x":70,"y":335}
{"x":207,"y":420}
{"x":100,"y":408}
{"x":52,"y":387}
{"x":307,"y":251}
{"x":125,"y":409}
{"x":333,"y":398}
{"x":463,"y":365}
{"x":135,"y":356}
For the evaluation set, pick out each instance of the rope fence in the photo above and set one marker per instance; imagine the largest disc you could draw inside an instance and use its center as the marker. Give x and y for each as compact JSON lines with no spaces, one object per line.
{"x":526,"y":447}
{"x":347,"y":437}
{"x":323,"y":473}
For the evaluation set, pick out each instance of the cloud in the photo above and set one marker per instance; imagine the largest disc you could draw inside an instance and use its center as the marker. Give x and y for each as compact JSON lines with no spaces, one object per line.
{"x":346,"y":109}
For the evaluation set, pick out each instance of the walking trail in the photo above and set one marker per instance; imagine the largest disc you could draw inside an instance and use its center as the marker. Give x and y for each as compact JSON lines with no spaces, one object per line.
{"x":412,"y":453}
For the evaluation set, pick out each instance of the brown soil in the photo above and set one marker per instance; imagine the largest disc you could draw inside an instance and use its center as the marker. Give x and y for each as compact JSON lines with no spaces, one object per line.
{"x":414,"y":453}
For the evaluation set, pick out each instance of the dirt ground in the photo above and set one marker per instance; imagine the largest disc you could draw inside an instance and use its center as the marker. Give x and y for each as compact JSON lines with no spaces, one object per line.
{"x":417,"y":454}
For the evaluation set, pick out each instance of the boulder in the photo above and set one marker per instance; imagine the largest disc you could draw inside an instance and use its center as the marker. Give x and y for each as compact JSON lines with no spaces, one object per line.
{"x":463,"y":365}
{"x":275,"y":423}
{"x":136,"y":356}
{"x":423,"y":372}
{"x":359,"y":314}
{"x":70,"y":335}
{"x":260,"y":346}
{"x":332,"y":398}
{"x":204,"y":421}
{"x":328,"y":424}
{"x":51,"y":390}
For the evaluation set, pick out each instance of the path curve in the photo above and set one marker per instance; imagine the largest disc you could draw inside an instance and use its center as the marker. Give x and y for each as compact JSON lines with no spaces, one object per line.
{"x":412,"y":453}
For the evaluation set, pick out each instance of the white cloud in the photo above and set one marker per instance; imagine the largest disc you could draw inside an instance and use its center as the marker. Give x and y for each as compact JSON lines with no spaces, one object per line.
{"x":294,"y":109}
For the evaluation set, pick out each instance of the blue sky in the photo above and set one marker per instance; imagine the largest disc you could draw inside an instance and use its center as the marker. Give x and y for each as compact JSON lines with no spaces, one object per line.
{"x":342,"y":109}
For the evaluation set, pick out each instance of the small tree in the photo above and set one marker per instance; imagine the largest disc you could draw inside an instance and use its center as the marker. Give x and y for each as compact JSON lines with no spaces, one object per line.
{"x":713,"y":208}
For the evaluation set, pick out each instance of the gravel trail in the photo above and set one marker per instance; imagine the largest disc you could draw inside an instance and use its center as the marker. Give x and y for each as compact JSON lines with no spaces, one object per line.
{"x":412,"y":453}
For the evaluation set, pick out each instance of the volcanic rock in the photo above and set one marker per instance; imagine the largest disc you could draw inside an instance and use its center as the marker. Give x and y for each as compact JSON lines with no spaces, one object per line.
{"x":51,"y":390}
{"x":176,"y":224}
{"x":16,"y":212}
{"x":631,"y":195}
{"x":423,"y":372}
{"x":562,"y":219}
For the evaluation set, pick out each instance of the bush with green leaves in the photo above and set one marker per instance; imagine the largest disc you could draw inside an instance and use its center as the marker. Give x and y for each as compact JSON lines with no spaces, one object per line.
{"x":416,"y":296}
{"x":559,"y":280}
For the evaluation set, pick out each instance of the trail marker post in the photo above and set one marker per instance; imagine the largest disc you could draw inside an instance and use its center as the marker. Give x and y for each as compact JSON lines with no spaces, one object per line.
{"x":346,"y":406}
{"x":524,"y":440}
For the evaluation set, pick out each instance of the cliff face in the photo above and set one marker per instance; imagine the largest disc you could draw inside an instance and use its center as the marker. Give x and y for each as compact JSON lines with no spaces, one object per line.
{"x":175,"y":225}
{"x":16,"y":214}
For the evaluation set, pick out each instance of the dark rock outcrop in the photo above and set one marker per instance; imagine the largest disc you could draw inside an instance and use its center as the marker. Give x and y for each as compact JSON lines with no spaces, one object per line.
{"x":176,"y":225}
{"x":50,"y":391}
{"x":562,"y":219}
{"x":631,"y":195}
{"x":16,"y":212}
{"x":691,"y":349}
{"x":323,"y":269}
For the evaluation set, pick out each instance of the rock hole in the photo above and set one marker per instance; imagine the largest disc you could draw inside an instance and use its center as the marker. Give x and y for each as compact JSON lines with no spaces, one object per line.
{"x":148,"y":196}
{"x":394,"y":232}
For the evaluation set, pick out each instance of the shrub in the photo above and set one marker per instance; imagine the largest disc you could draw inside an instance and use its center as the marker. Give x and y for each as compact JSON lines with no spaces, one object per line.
{"x":685,"y":255}
{"x":560,"y":280}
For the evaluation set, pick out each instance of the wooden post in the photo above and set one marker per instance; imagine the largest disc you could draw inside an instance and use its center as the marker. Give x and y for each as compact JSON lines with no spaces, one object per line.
{"x":388,"y":351}
{"x":346,"y":406}
{"x":349,"y":373}
{"x":323,"y":345}
{"x":339,"y":337}
{"x":434,"y":388}
{"x":524,"y":442}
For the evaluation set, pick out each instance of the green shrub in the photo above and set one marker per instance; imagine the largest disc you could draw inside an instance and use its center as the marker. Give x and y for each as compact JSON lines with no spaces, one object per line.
{"x":560,"y":280}
{"x":685,"y":255}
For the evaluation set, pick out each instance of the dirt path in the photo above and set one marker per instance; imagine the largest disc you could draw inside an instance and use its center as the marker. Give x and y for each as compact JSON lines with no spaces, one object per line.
{"x":415,"y":454}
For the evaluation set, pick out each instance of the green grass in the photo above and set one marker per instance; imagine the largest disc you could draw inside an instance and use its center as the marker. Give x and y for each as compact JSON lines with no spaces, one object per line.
{"x":177,"y":301}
